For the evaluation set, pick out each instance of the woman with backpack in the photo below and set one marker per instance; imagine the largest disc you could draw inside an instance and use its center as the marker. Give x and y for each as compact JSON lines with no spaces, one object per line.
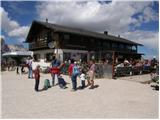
{"x":73,"y":71}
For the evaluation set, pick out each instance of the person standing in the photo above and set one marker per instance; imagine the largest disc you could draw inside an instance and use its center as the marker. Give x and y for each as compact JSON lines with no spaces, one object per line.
{"x":30,"y":72}
{"x":37,"y":77}
{"x":70,"y":71}
{"x":22,"y":66}
{"x":18,"y":65}
{"x":17,"y":70}
{"x":92,"y":74}
{"x":73,"y":73}
{"x":55,"y":70}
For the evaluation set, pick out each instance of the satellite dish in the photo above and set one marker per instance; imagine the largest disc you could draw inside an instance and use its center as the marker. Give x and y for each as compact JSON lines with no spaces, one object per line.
{"x":51,"y":44}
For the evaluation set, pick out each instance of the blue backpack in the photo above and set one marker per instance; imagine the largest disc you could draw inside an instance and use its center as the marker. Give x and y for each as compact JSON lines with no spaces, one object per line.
{"x":76,"y":71}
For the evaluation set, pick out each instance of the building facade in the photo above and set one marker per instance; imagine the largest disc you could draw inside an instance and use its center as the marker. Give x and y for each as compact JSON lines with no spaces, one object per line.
{"x":77,"y":43}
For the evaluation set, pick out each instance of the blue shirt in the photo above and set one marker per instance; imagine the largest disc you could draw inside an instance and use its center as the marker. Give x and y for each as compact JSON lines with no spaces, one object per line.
{"x":56,"y":63}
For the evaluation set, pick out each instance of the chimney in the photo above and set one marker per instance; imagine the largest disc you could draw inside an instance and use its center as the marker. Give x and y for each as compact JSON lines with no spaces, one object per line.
{"x":106,"y":32}
{"x":119,"y":36}
{"x":46,"y":20}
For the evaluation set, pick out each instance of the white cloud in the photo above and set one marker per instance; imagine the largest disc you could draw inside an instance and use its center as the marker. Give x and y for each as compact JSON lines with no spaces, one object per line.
{"x":115,"y":17}
{"x":7,"y":23}
{"x":21,"y":31}
{"x":147,"y":38}
{"x":3,"y":37}
{"x":12,"y":27}
{"x":95,"y":16}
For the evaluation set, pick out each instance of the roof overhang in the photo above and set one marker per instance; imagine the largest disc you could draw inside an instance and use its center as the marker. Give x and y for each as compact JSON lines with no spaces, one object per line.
{"x":59,"y":28}
{"x":18,"y":53}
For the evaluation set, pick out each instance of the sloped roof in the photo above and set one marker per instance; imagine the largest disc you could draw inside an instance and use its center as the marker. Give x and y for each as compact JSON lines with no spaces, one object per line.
{"x":59,"y":28}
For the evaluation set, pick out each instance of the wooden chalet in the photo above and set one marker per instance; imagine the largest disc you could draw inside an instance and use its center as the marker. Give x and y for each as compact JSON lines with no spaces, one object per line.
{"x":77,"y":43}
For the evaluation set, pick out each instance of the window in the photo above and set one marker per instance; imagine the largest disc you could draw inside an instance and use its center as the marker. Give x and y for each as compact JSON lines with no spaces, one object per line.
{"x":47,"y":36}
{"x":49,"y":57}
{"x":36,"y":57}
{"x":121,"y":46}
{"x":66,"y":37}
{"x":129,"y":47}
{"x":106,"y":45}
{"x":134,"y":48}
{"x":114,"y":45}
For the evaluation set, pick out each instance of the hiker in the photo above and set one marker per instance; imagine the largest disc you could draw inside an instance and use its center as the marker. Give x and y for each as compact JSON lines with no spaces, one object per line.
{"x":72,"y":73}
{"x":18,"y":66}
{"x":34,"y":65}
{"x":22,"y":66}
{"x":55,"y":70}
{"x":17,"y":70}
{"x":37,"y":77}
{"x":91,"y":73}
{"x":30,"y":71}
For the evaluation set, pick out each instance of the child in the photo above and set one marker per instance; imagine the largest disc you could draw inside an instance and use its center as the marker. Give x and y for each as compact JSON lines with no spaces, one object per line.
{"x":62,"y":83}
{"x":82,"y":77}
{"x":37,"y":77}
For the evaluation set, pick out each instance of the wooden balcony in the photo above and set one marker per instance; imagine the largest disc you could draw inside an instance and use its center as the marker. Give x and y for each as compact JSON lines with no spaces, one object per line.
{"x":38,"y":45}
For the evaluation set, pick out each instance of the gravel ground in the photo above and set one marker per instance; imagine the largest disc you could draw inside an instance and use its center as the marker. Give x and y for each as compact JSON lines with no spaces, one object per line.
{"x":120,"y":98}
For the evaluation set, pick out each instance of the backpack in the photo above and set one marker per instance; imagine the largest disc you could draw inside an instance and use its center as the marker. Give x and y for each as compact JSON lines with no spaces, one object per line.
{"x":76,"y":71}
{"x":46,"y":84}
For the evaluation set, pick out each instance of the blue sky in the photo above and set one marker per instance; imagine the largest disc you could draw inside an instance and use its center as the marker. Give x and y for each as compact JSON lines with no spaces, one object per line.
{"x":139,"y":21}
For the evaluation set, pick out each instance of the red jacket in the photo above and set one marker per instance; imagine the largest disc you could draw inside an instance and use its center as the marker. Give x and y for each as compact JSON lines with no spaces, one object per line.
{"x":70,"y":69}
{"x":55,"y":70}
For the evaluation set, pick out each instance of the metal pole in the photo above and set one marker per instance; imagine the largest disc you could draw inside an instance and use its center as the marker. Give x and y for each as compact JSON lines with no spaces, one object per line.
{"x":113,"y":57}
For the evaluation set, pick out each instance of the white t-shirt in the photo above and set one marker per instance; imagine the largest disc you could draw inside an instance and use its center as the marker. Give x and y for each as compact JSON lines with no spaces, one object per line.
{"x":34,"y":65}
{"x":82,"y":76}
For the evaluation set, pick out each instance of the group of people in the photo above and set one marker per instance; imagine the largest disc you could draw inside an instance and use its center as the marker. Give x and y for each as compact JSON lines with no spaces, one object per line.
{"x":137,"y":66}
{"x":137,"y":63}
{"x":55,"y":69}
{"x":74,"y":71}
{"x":10,"y":65}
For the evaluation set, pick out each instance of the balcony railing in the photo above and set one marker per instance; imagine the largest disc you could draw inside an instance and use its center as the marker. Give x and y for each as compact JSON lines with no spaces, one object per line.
{"x":38,"y":45}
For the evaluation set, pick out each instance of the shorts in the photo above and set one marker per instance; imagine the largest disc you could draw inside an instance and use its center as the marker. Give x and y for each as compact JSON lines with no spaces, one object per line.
{"x":91,"y":75}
